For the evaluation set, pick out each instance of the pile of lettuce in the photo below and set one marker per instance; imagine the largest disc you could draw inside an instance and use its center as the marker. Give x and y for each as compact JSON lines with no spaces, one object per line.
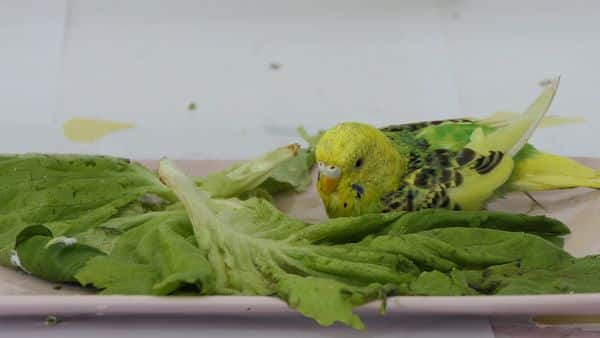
{"x":116,"y":226}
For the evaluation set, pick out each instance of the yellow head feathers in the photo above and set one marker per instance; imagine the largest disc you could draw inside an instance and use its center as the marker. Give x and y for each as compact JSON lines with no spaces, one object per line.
{"x":357,"y":165}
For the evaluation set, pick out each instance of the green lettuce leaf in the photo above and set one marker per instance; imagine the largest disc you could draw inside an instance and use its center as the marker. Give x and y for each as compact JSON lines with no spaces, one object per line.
{"x":436,"y":283}
{"x":427,"y":219}
{"x":325,"y":300}
{"x":243,"y":177}
{"x":67,"y":193}
{"x":275,"y":172}
{"x":252,"y":251}
{"x":153,"y":256}
{"x":445,"y":249}
{"x":54,"y":259}
{"x":571,"y":275}
{"x":295,"y":173}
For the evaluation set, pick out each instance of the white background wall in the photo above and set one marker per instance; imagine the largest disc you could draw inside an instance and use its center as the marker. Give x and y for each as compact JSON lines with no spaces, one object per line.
{"x":378,"y":61}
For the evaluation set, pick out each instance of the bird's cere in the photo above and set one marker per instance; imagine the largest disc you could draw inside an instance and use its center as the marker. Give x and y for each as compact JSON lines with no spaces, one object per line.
{"x":330,"y":171}
{"x":329,"y":175}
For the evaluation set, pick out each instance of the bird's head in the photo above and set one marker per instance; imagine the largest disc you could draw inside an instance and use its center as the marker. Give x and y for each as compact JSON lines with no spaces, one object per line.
{"x":357,"y":165}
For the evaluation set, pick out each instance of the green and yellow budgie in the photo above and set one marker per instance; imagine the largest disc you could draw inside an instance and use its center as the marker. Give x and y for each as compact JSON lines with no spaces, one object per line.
{"x":454,"y":164}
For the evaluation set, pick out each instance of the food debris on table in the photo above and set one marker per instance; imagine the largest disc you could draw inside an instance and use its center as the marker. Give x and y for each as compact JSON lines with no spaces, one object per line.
{"x":51,"y":321}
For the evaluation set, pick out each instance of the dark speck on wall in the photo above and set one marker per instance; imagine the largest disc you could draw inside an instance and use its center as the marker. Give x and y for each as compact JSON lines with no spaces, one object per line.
{"x":275,"y":65}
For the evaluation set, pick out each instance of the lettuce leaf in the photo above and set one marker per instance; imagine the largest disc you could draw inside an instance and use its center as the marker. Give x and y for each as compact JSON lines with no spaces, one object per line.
{"x":67,"y":193}
{"x":284,"y":169}
{"x":431,"y":219}
{"x":252,"y":252}
{"x":154,"y":257}
{"x":55,"y":260}
{"x":243,"y":177}
{"x":573,"y":275}
{"x":295,"y":173}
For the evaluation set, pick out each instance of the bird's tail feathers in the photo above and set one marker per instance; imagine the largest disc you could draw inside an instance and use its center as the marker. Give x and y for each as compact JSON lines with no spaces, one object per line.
{"x":543,"y":171}
{"x":555,"y":182}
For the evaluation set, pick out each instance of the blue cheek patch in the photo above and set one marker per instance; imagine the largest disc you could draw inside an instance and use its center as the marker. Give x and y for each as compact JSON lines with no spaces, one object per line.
{"x":359,"y":190}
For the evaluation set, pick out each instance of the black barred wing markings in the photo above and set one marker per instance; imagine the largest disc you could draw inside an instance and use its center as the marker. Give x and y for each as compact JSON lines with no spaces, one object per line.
{"x":465,"y":156}
{"x":485,"y":164}
{"x":411,"y":198}
{"x":431,"y":174}
{"x":411,"y":127}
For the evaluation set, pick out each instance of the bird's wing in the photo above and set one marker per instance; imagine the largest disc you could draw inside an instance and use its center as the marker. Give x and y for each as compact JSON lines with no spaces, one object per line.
{"x":455,"y":134}
{"x":442,"y":178}
{"x":451,"y":134}
{"x":414,"y":127}
{"x":439,"y":176}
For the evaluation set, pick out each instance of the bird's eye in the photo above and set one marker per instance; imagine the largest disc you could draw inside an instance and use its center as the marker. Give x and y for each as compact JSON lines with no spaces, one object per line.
{"x":358,"y":163}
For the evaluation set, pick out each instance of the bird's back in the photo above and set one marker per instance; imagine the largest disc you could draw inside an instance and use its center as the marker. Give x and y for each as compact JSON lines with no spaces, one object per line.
{"x":533,"y":169}
{"x":442,"y":171}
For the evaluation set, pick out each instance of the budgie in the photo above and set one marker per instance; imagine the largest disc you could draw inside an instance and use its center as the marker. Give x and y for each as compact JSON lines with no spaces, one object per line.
{"x":457,"y":164}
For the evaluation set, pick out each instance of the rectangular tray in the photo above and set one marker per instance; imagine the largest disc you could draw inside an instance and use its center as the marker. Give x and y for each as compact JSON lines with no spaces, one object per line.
{"x":22,"y":294}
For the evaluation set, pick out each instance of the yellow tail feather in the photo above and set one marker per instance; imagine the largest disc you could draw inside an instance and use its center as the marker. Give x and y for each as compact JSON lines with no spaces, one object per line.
{"x":543,"y":171}
{"x":554,"y":182}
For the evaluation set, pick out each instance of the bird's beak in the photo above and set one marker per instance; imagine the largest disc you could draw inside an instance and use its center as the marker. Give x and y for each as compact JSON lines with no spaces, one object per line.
{"x":329,"y":176}
{"x":328,"y":184}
